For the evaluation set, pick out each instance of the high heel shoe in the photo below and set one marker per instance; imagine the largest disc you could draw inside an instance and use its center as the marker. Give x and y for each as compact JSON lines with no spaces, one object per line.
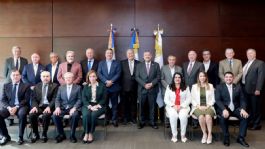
{"x":209,"y":140}
{"x":204,"y":139}
{"x":85,"y":141}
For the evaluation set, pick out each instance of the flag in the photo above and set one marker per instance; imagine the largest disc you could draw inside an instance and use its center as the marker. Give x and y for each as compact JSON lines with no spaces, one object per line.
{"x":111,"y":41}
{"x":159,"y":60}
{"x":135,"y":43}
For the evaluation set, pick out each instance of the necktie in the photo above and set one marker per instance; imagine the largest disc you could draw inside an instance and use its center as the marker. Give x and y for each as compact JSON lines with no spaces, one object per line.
{"x":13,"y":96}
{"x":89,"y":65}
{"x":245,"y":70}
{"x":148,"y":68}
{"x":17,"y":64}
{"x":189,"y":69}
{"x":230,"y":64}
{"x":231,"y":105}
{"x":131,"y":67}
{"x":44,"y":88}
{"x":177,"y":101}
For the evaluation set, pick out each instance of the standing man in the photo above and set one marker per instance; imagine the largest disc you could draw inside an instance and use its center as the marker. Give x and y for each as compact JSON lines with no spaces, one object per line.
{"x":109,"y":71}
{"x":43,"y":99}
{"x":252,"y":83}
{"x":15,"y":101}
{"x":70,"y":66}
{"x":15,"y":62}
{"x":211,"y":68}
{"x":230,"y":64}
{"x":191,"y":69}
{"x":148,"y":77}
{"x":230,"y":101}
{"x":129,"y":87}
{"x":53,"y":67}
{"x":89,"y":63}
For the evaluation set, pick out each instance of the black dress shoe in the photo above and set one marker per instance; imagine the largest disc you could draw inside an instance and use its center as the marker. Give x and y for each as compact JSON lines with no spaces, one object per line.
{"x":115,"y":123}
{"x":44,"y":138}
{"x":34,"y":138}
{"x":140,"y":126}
{"x":73,"y":139}
{"x":4,"y":140}
{"x":154,"y":126}
{"x":20,"y":141}
{"x":60,"y":138}
{"x":226,"y":142}
{"x":85,"y":141}
{"x":242,"y":142}
{"x":255,"y":128}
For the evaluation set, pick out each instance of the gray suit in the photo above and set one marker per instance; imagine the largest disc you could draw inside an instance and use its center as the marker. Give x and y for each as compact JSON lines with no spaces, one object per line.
{"x":166,"y":76}
{"x":192,"y":78}
{"x":9,"y":65}
{"x":236,"y":69}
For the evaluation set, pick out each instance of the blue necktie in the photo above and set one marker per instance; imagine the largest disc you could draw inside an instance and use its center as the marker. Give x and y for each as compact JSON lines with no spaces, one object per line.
{"x":89,"y":65}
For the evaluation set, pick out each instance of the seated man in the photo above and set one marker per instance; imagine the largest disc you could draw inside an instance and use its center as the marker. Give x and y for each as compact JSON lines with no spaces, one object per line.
{"x":15,"y":101}
{"x":67,"y":102}
{"x":43,"y":98}
{"x":230,"y":101}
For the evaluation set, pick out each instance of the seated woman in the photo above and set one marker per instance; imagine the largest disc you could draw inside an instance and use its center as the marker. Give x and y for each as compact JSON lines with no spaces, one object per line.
{"x":93,"y":98}
{"x":202,"y":99}
{"x":177,"y":100}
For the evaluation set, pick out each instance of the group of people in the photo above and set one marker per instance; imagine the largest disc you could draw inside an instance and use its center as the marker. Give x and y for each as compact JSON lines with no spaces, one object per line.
{"x":203,"y":90}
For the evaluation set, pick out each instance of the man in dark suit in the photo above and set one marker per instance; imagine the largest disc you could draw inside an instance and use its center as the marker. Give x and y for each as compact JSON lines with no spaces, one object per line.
{"x":15,"y":101}
{"x":191,"y":69}
{"x":15,"y":62}
{"x":230,"y":101}
{"x":31,"y":72}
{"x":109,"y":72}
{"x":43,"y":99}
{"x":211,"y":68}
{"x":67,"y":102}
{"x":89,"y":63}
{"x":53,"y":67}
{"x":252,"y":83}
{"x":129,"y":87}
{"x":148,"y":77}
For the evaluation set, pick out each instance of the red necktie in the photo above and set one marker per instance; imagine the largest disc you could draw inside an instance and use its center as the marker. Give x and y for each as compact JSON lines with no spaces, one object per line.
{"x":177,"y":101}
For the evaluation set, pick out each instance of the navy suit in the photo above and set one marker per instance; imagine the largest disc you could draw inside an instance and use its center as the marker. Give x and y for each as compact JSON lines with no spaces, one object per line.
{"x":28,"y":75}
{"x":114,"y":76}
{"x":49,"y":68}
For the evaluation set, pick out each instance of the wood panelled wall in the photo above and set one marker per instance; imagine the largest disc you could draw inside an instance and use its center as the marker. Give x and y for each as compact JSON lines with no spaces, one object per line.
{"x":59,"y":25}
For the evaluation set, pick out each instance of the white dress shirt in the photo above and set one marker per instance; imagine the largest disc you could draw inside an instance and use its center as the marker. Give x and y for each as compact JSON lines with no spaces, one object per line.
{"x":230,"y":90}
{"x":206,"y":65}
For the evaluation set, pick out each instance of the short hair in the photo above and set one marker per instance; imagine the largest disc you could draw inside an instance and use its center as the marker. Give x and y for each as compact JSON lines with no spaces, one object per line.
{"x":192,"y":51}
{"x":229,"y":72}
{"x":171,"y":56}
{"x":206,"y":50}
{"x":129,"y":50}
{"x":67,"y":52}
{"x":45,"y":73}
{"x":16,"y":47}
{"x":251,"y":49}
{"x":35,"y":54}
{"x":89,"y":49}
{"x":68,"y":74}
{"x":53,"y":53}
{"x":14,"y":70}
{"x":109,"y":49}
{"x":229,"y":49}
{"x":147,"y":51}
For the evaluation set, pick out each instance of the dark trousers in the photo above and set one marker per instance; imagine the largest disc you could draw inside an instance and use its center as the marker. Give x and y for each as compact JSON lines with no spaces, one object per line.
{"x":33,"y":118}
{"x":151,"y":100}
{"x":113,"y":98}
{"x":74,"y":118}
{"x":128,"y":105}
{"x":254,"y":108}
{"x":22,"y":116}
{"x":90,"y":119}
{"x":242,"y":126}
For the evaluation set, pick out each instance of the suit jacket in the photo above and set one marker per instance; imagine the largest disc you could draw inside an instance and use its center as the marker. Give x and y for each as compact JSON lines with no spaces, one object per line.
{"x":9,"y":65}
{"x":192,"y":78}
{"x":254,"y":78}
{"x":128,"y":81}
{"x":75,"y":69}
{"x":196,"y":100}
{"x":212,"y":74}
{"x":222,"y":97}
{"x":236,"y":69}
{"x":85,"y":69}
{"x":114,"y":74}
{"x":100,"y":95}
{"x":62,"y":100}
{"x":51,"y":95}
{"x":49,"y":68}
{"x":166,"y":76}
{"x":23,"y":95}
{"x":28,"y":75}
{"x":142,"y":78}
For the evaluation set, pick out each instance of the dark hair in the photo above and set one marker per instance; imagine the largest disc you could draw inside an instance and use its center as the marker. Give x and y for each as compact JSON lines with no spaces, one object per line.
{"x":182,"y":83}
{"x":15,"y":70}
{"x":229,"y":72}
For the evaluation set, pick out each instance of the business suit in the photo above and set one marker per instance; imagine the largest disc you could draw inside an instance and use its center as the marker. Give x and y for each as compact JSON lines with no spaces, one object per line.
{"x":38,"y":102}
{"x":212,"y":74}
{"x":237,"y":70}
{"x":10,"y":64}
{"x":191,"y":78}
{"x":75,"y":69}
{"x":53,"y":78}
{"x":113,"y":90}
{"x":84,"y":65}
{"x":222,"y":100}
{"x":254,"y":80}
{"x":28,"y":75}
{"x":89,"y":116}
{"x":148,"y":95}
{"x":129,"y":90}
{"x":66,"y":104}
{"x":23,"y":96}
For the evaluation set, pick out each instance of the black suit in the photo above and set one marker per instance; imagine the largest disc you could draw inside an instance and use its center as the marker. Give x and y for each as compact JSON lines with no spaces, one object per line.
{"x":254,"y":80}
{"x":129,"y":90}
{"x":148,"y":95}
{"x":23,"y":96}
{"x":49,"y":68}
{"x":222,"y":101}
{"x":38,"y":103}
{"x":212,"y":74}
{"x":9,"y":65}
{"x":191,"y":78}
{"x":84,"y":66}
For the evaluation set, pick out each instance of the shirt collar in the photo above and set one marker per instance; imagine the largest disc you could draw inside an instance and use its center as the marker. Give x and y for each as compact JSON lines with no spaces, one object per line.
{"x":207,"y":62}
{"x":55,"y":64}
{"x":90,"y":60}
{"x":91,"y":84}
